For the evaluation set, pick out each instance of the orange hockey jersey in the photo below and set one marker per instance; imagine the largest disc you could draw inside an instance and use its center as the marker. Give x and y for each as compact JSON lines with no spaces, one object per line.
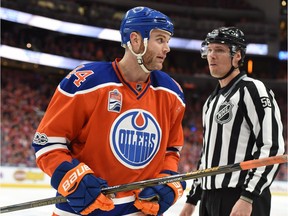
{"x":125,"y":132}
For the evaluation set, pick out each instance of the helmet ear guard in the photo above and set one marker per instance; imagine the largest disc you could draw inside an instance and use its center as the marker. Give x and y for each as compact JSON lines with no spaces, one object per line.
{"x":143,"y":20}
{"x":231,"y":36}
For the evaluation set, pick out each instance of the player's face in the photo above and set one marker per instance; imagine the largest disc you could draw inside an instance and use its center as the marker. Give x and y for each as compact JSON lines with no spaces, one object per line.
{"x":219,"y":59}
{"x":157,"y":50}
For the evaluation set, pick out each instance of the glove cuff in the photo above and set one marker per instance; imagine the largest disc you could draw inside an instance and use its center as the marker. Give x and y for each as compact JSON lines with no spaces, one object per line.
{"x":67,"y":176}
{"x":60,"y":172}
{"x":177,"y":187}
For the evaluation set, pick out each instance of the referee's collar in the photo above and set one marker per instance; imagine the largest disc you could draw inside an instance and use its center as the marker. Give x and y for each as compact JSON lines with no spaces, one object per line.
{"x":227,"y":89}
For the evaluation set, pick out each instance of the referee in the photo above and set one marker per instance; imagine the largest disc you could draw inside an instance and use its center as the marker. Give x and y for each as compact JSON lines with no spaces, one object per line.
{"x":241,"y":121}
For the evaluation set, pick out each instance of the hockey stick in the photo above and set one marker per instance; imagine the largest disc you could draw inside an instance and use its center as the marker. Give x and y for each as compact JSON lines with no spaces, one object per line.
{"x":246,"y":165}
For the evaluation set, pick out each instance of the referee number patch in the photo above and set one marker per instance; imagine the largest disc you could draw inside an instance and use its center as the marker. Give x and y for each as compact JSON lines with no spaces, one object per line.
{"x":265,"y":102}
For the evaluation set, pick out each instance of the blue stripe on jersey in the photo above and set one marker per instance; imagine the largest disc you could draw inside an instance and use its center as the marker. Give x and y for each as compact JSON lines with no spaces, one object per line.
{"x":119,"y":209}
{"x":102,"y":72}
{"x":162,"y":79}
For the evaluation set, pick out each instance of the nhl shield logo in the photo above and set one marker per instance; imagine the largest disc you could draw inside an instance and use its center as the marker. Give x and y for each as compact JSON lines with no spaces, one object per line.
{"x":224,"y":113}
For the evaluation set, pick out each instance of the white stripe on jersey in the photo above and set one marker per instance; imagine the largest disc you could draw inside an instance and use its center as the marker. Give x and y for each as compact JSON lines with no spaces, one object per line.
{"x":50,"y":148}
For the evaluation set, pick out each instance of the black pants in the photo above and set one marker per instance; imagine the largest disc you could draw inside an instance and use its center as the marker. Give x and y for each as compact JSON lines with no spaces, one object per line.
{"x":220,"y":202}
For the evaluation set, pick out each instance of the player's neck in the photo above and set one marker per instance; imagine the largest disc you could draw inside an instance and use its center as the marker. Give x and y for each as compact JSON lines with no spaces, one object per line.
{"x":131,"y":71}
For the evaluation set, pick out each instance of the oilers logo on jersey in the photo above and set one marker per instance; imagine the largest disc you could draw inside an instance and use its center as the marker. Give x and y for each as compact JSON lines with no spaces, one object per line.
{"x":135,"y":138}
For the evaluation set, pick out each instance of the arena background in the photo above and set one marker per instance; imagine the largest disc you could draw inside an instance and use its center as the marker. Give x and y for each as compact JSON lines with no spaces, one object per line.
{"x":41,"y":41}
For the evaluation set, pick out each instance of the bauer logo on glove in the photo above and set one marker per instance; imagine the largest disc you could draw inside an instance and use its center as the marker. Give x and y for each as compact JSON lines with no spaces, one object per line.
{"x":82,"y":189}
{"x":69,"y":185}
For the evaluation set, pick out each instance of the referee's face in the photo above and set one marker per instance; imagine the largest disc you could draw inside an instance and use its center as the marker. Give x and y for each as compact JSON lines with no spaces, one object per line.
{"x":219,"y":59}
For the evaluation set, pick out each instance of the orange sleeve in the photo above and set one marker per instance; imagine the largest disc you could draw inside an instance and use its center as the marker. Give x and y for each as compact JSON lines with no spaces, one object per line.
{"x":176,"y":139}
{"x":50,"y":161}
{"x":171,"y":162}
{"x":63,"y":118}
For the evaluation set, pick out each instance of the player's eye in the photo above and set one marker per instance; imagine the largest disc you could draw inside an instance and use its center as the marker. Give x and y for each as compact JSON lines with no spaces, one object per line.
{"x":216,"y":51}
{"x":160,"y":40}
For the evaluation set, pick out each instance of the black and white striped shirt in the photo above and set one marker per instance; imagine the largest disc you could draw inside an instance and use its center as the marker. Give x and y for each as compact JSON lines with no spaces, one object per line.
{"x":241,"y":122}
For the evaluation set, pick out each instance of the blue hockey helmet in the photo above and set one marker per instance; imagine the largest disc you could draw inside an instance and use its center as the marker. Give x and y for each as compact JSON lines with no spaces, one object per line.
{"x":231,"y":36}
{"x":143,"y":20}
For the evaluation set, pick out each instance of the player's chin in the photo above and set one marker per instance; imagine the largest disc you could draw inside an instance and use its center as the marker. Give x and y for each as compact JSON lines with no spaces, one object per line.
{"x":158,"y":66}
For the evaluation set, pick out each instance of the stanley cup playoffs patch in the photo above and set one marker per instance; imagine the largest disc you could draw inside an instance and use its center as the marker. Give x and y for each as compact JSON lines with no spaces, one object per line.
{"x":114,"y":101}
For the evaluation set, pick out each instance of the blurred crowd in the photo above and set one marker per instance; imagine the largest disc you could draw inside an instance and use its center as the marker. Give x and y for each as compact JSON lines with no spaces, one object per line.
{"x":202,"y":15}
{"x":24,"y":98}
{"x":92,"y":49}
{"x":191,"y":18}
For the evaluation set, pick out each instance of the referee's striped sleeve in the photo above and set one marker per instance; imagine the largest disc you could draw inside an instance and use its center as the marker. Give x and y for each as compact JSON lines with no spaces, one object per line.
{"x":265,"y":119}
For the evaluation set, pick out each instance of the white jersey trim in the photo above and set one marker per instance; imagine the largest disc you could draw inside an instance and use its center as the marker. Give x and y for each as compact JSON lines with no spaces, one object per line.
{"x":49,"y":148}
{"x":117,"y":201}
{"x":88,"y":90}
{"x":122,"y":200}
{"x":171,"y":92}
{"x":135,"y":214}
{"x":63,"y":213}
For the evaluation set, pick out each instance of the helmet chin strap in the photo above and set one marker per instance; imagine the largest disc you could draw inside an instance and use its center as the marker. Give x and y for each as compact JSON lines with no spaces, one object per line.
{"x":229,"y":72}
{"x":139,"y":56}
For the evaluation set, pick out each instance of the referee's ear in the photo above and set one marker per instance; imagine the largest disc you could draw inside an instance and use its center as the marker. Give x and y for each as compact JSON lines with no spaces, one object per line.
{"x":237,"y":59}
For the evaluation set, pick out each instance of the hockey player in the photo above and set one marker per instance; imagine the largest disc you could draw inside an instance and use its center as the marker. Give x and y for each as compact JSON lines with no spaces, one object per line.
{"x":112,"y":123}
{"x":241,"y":121}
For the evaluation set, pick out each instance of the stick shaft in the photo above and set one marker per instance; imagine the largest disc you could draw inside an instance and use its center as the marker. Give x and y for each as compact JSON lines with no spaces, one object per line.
{"x":32,"y":204}
{"x":251,"y":164}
